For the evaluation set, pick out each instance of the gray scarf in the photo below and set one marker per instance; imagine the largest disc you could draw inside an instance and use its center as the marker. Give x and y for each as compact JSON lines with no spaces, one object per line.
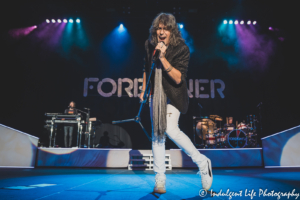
{"x":159,"y":107}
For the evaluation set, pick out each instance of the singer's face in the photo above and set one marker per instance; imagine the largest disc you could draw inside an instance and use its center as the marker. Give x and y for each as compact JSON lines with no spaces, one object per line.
{"x":230,"y":121}
{"x":72,"y":104}
{"x":163,"y":34}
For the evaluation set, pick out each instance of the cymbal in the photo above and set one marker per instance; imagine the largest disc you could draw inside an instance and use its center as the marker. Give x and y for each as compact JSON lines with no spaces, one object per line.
{"x":202,"y":122}
{"x":219,"y":119}
{"x":216,"y":117}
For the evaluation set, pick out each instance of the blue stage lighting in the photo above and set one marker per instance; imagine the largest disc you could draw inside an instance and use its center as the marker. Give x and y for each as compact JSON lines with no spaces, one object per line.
{"x":242,"y":22}
{"x":65,"y":21}
{"x":230,"y":22}
{"x":77,"y":20}
{"x":121,"y":26}
{"x":71,"y":20}
{"x":180,"y":25}
{"x":236,"y":22}
{"x":225,"y":22}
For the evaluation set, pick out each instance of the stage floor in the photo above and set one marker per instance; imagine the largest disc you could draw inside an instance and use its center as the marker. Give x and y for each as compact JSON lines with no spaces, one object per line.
{"x":111,"y":184}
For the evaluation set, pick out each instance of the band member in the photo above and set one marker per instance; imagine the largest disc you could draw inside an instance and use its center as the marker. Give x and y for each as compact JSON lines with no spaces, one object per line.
{"x":229,"y":125}
{"x":69,"y":126}
{"x":169,"y":97}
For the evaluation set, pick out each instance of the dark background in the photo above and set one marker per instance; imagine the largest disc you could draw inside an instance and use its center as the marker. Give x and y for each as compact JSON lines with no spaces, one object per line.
{"x":41,"y":76}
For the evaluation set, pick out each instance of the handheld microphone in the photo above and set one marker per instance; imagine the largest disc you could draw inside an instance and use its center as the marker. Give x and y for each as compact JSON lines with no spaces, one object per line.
{"x":156,"y":53}
{"x":86,"y":108}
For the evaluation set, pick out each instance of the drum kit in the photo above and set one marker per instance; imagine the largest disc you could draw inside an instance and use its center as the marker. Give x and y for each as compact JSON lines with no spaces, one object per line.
{"x":213,"y":135}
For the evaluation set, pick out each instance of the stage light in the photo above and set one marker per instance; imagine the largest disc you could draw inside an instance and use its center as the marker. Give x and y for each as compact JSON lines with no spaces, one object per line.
{"x":71,"y":20}
{"x":236,"y":22}
{"x":65,"y":21}
{"x":225,"y":22}
{"x":254,"y":22}
{"x":121,"y":26}
{"x":77,"y":20}
{"x":249,"y":22}
{"x":242,"y":22}
{"x":59,"y":21}
{"x":230,"y":22}
{"x":180,"y":25}
{"x":48,"y":21}
{"x":270,"y":28}
{"x":53,"y":20}
{"x":34,"y":26}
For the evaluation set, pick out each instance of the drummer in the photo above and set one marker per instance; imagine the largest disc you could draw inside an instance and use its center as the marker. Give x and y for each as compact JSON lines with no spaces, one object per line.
{"x":229,"y":126}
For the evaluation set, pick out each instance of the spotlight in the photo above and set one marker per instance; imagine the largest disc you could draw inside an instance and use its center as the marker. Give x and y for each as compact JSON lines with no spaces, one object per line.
{"x":71,"y":20}
{"x":77,"y":20}
{"x":242,"y":22}
{"x":270,"y":28}
{"x":59,"y":21}
{"x":180,"y":25}
{"x":254,"y":22}
{"x":249,"y":22}
{"x":34,"y":26}
{"x":48,"y":21}
{"x":53,"y":20}
{"x":65,"y":21}
{"x":236,"y":22}
{"x":230,"y":22}
{"x":121,"y":26}
{"x":225,"y":22}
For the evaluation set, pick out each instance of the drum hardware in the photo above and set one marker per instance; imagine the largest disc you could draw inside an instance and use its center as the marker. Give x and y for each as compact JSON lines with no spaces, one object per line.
{"x":243,"y":135}
{"x":201,"y":136}
{"x":236,"y":139}
{"x":216,"y":117}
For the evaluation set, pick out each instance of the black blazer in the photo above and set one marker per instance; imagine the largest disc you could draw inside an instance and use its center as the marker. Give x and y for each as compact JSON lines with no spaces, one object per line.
{"x":178,"y":56}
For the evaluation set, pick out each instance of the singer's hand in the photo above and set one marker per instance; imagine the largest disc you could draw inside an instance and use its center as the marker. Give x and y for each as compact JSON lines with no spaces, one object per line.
{"x":162,"y":47}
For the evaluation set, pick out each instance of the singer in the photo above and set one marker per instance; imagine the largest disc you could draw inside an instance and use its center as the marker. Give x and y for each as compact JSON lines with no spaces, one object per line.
{"x":69,"y":126}
{"x":169,"y":97}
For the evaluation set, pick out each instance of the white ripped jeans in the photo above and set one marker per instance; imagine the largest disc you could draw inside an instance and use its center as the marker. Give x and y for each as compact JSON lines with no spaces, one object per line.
{"x":178,"y":137}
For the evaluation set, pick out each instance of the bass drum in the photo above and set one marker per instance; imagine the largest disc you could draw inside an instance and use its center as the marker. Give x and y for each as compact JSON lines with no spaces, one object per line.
{"x":236,"y":139}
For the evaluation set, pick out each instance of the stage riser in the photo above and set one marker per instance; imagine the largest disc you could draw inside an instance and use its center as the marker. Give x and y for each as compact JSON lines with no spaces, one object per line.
{"x":17,"y":149}
{"x":282,"y":149}
{"x":119,"y":158}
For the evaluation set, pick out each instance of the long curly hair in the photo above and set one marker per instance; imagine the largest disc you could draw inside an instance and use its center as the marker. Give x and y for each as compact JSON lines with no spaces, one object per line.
{"x":169,"y":21}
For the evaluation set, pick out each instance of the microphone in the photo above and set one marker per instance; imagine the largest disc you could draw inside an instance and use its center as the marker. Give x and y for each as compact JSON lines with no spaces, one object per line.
{"x":199,"y":105}
{"x":86,"y":108}
{"x":156,"y":53}
{"x":259,"y":104}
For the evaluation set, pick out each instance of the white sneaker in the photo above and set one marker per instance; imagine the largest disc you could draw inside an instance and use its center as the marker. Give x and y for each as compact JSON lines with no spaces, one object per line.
{"x":160,"y":186}
{"x":206,"y":174}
